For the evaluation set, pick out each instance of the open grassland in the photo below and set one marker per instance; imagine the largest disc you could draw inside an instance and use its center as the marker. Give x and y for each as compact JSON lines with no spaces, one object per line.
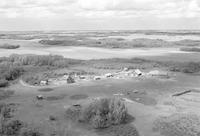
{"x":92,"y":101}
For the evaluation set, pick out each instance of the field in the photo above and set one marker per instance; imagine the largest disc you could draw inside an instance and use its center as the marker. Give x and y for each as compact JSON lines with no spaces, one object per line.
{"x":160,"y":89}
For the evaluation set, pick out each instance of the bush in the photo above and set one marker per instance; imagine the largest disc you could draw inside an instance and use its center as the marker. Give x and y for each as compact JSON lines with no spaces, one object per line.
{"x":10,"y":72}
{"x":3,"y":83}
{"x":100,"y":113}
{"x":51,"y":42}
{"x":10,"y":127}
{"x":6,"y":111}
{"x":190,"y":67}
{"x":105,"y":112}
{"x":9,"y":46}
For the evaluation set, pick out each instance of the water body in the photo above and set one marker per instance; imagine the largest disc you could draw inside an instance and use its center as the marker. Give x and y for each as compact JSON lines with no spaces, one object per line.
{"x":87,"y":53}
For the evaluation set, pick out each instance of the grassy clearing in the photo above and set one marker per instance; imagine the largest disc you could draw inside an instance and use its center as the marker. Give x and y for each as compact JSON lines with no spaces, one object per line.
{"x":4,"y":94}
{"x":178,"y":125}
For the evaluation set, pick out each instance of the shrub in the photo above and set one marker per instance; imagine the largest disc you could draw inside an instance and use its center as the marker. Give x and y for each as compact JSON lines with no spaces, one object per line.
{"x":190,"y":67}
{"x":100,"y":113}
{"x":9,"y":46}
{"x":105,"y":112}
{"x":3,"y":83}
{"x":10,"y":72}
{"x":10,"y":127}
{"x":51,"y":42}
{"x":6,"y":111}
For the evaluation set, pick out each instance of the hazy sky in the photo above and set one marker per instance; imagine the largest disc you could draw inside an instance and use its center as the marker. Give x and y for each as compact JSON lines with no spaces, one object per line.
{"x":99,"y":14}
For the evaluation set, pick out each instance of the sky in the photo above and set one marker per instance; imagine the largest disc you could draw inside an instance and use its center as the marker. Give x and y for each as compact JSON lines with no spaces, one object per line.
{"x":22,"y":15}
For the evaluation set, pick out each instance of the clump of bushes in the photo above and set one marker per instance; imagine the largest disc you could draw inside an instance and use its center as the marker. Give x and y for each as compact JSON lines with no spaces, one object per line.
{"x":10,"y":127}
{"x":3,"y":83}
{"x":9,"y":46}
{"x":51,"y":42}
{"x":178,"y":125}
{"x":190,"y":67}
{"x":101,"y":113}
{"x":41,"y":60}
{"x":190,"y":49}
{"x":6,"y":111}
{"x":9,"y":73}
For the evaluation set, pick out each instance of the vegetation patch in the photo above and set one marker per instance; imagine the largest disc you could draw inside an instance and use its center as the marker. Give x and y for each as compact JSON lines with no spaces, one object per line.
{"x":51,"y":42}
{"x":190,"y":49}
{"x":6,"y":110}
{"x":79,"y":96}
{"x":100,"y":113}
{"x":9,"y":46}
{"x":189,"y":67}
{"x":178,"y":125}
{"x":45,"y":90}
{"x":5,"y":94}
{"x":3,"y":83}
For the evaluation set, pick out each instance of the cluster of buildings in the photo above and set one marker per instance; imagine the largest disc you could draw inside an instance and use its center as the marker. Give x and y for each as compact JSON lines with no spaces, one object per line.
{"x":121,"y":74}
{"x":125,"y":73}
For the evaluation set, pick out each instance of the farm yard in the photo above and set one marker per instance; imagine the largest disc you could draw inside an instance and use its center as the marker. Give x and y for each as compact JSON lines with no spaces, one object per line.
{"x":46,"y":94}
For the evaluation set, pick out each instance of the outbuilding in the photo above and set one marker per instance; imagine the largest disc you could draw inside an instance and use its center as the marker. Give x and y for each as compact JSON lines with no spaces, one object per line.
{"x":138,"y":72}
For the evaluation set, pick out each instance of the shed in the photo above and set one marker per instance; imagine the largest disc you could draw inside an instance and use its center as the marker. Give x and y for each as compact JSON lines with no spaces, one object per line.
{"x":138,"y":72}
